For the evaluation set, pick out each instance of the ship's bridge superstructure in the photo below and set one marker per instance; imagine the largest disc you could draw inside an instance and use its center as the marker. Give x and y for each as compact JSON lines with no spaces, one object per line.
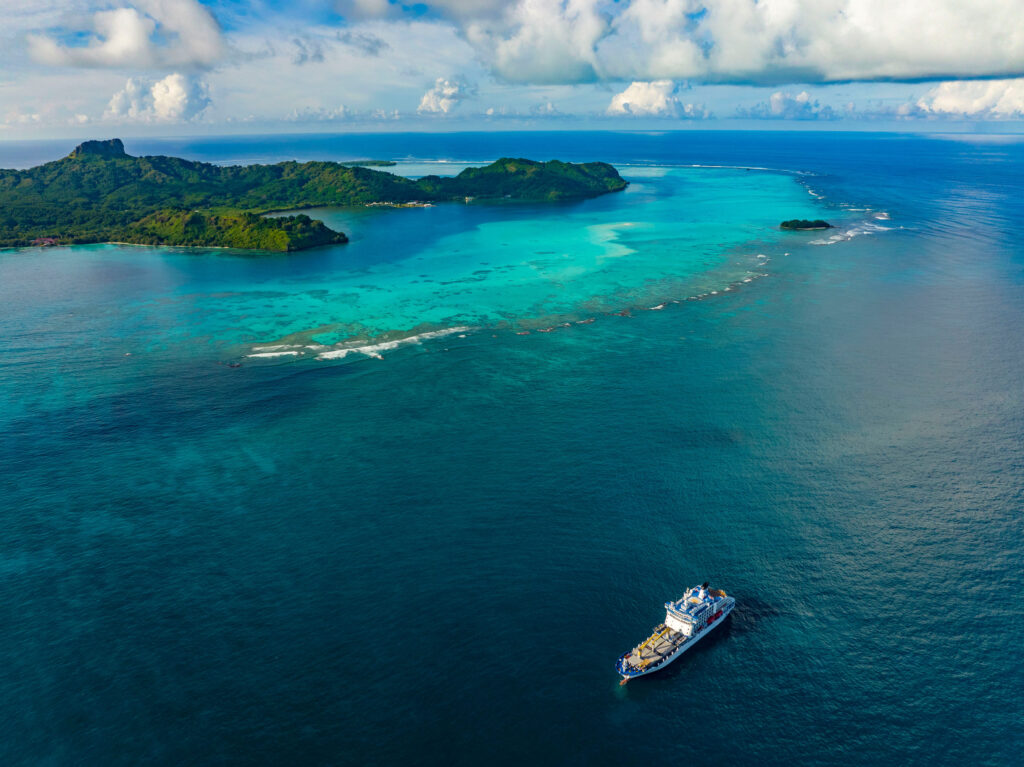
{"x":692,"y":611}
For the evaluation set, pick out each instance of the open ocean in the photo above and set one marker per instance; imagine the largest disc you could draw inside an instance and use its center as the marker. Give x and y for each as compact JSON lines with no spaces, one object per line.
{"x":352,"y":506}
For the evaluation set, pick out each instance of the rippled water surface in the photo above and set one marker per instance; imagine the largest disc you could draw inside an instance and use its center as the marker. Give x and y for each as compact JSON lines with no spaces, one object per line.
{"x":436,"y":556}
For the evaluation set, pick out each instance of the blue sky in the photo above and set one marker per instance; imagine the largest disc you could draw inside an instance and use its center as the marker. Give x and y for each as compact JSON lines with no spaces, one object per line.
{"x":89,"y":67}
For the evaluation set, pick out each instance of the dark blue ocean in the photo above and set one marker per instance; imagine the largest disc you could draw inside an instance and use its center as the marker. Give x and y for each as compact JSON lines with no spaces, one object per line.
{"x":433,"y":553}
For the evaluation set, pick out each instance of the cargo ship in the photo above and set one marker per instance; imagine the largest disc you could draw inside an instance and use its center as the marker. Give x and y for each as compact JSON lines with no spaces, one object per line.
{"x":687,"y":620}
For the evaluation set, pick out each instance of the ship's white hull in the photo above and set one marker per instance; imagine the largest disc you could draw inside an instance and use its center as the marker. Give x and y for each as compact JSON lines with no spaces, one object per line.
{"x":687,"y":644}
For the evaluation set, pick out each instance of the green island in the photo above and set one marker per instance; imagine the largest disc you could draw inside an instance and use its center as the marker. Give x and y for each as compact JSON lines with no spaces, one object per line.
{"x":99,"y":193}
{"x":802,"y":224}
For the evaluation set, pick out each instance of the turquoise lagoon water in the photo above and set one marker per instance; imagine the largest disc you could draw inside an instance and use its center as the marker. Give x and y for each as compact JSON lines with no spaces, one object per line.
{"x":673,"y":234}
{"x":437,"y":556}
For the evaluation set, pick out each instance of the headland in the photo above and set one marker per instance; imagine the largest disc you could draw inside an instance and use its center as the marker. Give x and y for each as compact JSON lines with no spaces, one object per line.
{"x":99,"y":193}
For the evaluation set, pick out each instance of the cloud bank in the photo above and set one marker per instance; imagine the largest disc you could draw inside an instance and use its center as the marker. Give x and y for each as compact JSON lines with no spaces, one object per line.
{"x":610,"y":60}
{"x":766,"y":42}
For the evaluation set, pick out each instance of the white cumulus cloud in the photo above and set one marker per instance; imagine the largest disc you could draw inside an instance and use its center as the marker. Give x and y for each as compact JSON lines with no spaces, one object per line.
{"x":654,"y":99}
{"x":986,"y":98}
{"x":541,"y":41}
{"x":320,"y":114}
{"x":151,"y":34}
{"x":175,"y":98}
{"x":444,"y":96}
{"x":787,"y":106}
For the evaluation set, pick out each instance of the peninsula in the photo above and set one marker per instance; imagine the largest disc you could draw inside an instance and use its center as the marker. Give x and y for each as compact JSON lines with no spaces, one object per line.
{"x":99,"y":193}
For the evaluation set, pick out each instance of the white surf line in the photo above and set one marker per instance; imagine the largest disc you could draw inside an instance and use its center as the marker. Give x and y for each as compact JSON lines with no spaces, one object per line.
{"x":274,"y":354}
{"x":713,"y":167}
{"x":374,"y":349}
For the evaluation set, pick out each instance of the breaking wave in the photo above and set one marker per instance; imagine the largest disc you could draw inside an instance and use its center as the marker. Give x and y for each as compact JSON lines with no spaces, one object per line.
{"x":340,"y":351}
{"x":372,"y":348}
{"x":856,"y":230}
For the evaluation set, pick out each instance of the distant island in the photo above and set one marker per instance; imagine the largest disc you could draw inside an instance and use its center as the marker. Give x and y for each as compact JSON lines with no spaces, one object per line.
{"x":99,"y":193}
{"x":802,"y":224}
